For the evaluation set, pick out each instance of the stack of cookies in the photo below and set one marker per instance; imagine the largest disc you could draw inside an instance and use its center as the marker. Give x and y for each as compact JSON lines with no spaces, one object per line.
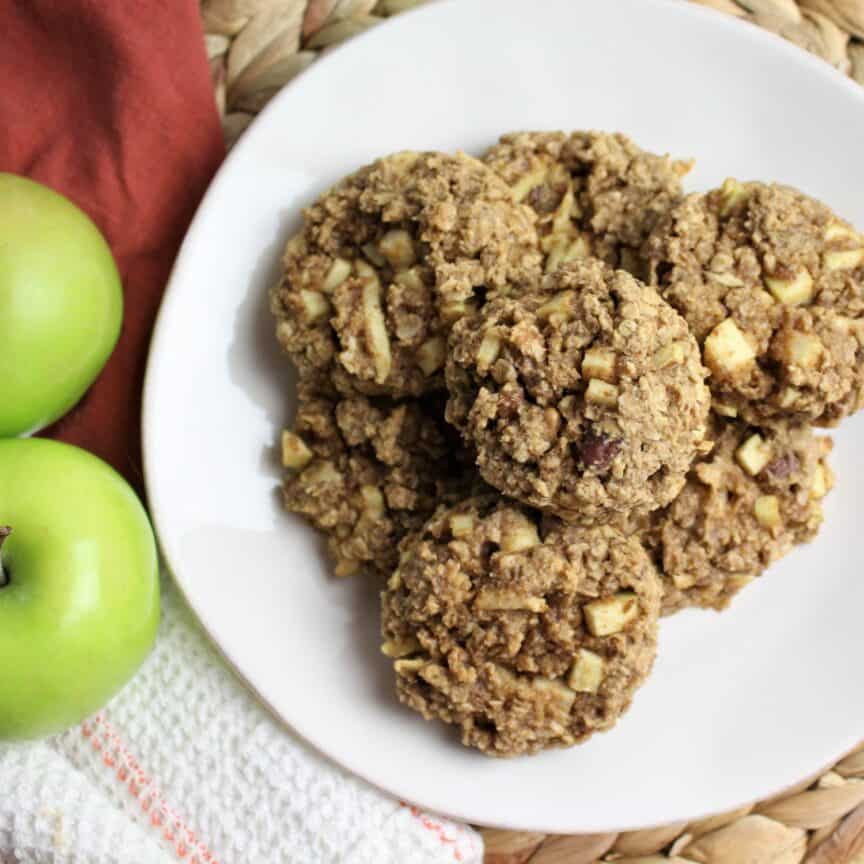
{"x":546,"y":397}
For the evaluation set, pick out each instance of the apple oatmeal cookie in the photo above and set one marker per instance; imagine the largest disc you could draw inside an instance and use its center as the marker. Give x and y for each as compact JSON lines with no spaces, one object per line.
{"x":587,"y":400}
{"x":594,"y":193}
{"x":772,"y":285}
{"x":756,"y":496}
{"x":367,"y":471}
{"x":388,"y":259}
{"x":521,"y":630}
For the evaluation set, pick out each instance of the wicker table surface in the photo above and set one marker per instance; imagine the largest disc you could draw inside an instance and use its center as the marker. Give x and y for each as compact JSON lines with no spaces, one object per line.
{"x":257,"y":46}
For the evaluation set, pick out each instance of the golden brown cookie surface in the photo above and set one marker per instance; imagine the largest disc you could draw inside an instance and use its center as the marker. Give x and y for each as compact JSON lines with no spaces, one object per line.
{"x":745,"y":505}
{"x":388,"y":259}
{"x":587,"y":400}
{"x":367,"y":471}
{"x":594,"y":193}
{"x":523,"y":631}
{"x":772,"y":284}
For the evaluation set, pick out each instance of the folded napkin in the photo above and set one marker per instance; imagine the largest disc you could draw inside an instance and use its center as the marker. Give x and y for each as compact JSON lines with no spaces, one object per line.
{"x":110,"y":104}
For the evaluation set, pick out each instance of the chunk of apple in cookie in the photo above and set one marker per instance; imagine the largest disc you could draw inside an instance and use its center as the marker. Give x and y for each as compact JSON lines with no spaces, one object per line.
{"x":728,"y":352}
{"x":410,"y":666}
{"x":323,"y":473}
{"x":559,"y":305}
{"x":599,"y":363}
{"x":601,"y":393}
{"x":373,"y":254}
{"x":518,"y":535}
{"x":724,"y":409}
{"x":754,"y":454}
{"x":845,"y":247}
{"x":793,"y":291}
{"x":789,"y":397}
{"x":733,"y":195}
{"x":400,"y":647}
{"x":372,"y":502}
{"x":586,"y":673}
{"x":487,"y":353}
{"x":821,"y":483}
{"x":295,"y":453}
{"x":377,"y":340}
{"x":346,"y":567}
{"x":501,"y":600}
{"x":836,"y":233}
{"x":556,"y":690}
{"x":453,"y":311}
{"x":800,"y":349}
{"x":315,"y":306}
{"x":461,"y":524}
{"x":398,"y":248}
{"x":843,"y":259}
{"x":611,"y":614}
{"x":410,"y":280}
{"x":339,"y":271}
{"x":766,"y":508}
{"x":672,"y":354}
{"x":431,"y":355}
{"x":565,"y":249}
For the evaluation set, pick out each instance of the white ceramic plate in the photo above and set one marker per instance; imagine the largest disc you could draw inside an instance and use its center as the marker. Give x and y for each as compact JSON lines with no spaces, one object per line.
{"x":740,"y":704}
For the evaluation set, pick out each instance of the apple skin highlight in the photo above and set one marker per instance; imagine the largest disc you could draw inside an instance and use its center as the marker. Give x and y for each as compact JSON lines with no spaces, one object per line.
{"x":79,"y":602}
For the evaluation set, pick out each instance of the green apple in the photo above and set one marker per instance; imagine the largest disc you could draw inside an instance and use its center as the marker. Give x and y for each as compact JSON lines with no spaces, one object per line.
{"x":79,"y":602}
{"x":61,"y":305}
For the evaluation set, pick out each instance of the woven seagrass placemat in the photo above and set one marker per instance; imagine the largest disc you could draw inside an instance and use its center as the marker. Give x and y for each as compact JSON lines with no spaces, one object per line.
{"x":256,"y":47}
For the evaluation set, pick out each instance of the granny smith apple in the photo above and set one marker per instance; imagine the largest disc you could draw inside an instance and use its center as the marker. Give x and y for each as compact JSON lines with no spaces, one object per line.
{"x":79,"y":602}
{"x":61,"y":305}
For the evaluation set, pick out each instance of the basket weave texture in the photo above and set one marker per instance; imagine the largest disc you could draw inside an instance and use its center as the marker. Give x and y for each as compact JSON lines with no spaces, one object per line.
{"x":255,"y":47}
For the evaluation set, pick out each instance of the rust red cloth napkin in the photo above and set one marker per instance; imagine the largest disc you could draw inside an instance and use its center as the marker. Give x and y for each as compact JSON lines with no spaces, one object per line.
{"x":110,"y":103}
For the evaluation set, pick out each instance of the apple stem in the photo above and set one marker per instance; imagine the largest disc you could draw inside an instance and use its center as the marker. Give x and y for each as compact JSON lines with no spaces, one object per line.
{"x":5,"y":531}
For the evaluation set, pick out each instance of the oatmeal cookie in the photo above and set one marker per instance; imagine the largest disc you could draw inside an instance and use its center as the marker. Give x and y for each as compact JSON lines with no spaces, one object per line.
{"x":523,"y":631}
{"x":748,"y":503}
{"x":587,"y":400}
{"x":367,"y":471}
{"x":772,"y":284}
{"x":594,"y":193}
{"x":388,"y":259}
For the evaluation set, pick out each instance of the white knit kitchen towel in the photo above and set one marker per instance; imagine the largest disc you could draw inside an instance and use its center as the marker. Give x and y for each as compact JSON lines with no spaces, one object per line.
{"x":184,"y":765}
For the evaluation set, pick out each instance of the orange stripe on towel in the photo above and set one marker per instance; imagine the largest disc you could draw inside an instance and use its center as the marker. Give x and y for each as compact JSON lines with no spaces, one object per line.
{"x":439,"y":831}
{"x":127,"y":771}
